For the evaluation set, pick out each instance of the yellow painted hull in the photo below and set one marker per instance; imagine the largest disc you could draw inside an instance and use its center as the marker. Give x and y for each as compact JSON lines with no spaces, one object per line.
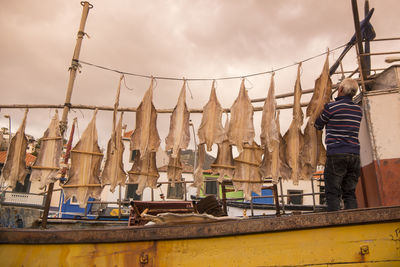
{"x":376,"y":244}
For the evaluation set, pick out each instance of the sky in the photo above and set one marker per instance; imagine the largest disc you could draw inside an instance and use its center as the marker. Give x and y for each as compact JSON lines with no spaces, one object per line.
{"x":191,"y":39}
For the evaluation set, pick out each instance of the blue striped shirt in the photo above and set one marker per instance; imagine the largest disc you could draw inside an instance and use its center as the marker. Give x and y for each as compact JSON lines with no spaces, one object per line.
{"x":342,"y":120}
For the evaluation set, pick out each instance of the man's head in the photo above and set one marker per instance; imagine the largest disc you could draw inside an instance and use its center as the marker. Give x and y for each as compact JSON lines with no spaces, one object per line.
{"x":348,"y":87}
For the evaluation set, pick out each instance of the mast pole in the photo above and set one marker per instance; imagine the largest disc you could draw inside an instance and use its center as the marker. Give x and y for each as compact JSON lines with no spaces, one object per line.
{"x":366,"y":44}
{"x":75,"y":64}
{"x":360,"y":51}
{"x":72,"y":75}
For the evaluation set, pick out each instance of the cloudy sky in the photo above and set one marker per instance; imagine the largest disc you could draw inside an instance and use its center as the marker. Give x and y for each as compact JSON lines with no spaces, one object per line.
{"x":192,"y":39}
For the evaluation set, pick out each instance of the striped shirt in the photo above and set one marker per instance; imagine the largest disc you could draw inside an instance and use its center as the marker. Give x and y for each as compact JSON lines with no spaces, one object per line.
{"x":342,"y":120}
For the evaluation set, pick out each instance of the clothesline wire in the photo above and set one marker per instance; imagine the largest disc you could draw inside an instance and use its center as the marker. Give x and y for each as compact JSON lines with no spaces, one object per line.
{"x":208,"y":79}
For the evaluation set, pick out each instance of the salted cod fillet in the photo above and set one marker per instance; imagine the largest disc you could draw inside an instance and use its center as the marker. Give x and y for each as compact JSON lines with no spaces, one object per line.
{"x":145,"y":138}
{"x":144,"y":171}
{"x":247,"y":175}
{"x":14,"y":169}
{"x":223,"y":164}
{"x":86,"y":158}
{"x":241,"y":127}
{"x":179,"y":136}
{"x":269,"y":131}
{"x":294,"y":139}
{"x":314,"y":151}
{"x":211,"y":130}
{"x":198,"y":176}
{"x":270,"y":166}
{"x":113,"y":172}
{"x":47,"y":164}
{"x":175,"y":168}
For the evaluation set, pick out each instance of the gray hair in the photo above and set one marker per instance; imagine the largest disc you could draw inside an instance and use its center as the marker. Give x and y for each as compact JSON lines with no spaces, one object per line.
{"x":349,"y":87}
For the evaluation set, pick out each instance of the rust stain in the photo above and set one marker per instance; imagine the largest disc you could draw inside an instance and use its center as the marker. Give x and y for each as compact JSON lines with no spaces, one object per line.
{"x":386,"y":193}
{"x":396,"y":238}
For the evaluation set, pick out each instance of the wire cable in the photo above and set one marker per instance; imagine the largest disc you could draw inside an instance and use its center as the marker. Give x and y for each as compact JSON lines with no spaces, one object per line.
{"x":207,"y":79}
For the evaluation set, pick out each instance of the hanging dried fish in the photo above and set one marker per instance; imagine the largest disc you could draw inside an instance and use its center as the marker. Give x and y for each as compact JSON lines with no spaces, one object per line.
{"x":322,"y":93}
{"x":241,"y":128}
{"x":144,"y":171}
{"x":321,"y":149}
{"x":294,"y":138}
{"x":174,"y":170}
{"x":113,"y":172}
{"x":47,"y":163}
{"x":270,"y":136}
{"x":269,"y":129}
{"x":313,"y":152}
{"x":223,"y":164}
{"x":83,"y":177}
{"x":247,"y":175}
{"x":179,"y":135}
{"x":14,"y":169}
{"x":211,"y":130}
{"x":198,"y":176}
{"x":145,"y":137}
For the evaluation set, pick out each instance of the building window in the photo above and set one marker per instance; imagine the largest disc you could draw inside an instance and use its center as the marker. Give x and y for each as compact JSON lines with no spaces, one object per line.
{"x":211,"y":187}
{"x":292,"y":199}
{"x":130,"y":192}
{"x":175,"y":192}
{"x":133,"y":155}
{"x":322,"y":199}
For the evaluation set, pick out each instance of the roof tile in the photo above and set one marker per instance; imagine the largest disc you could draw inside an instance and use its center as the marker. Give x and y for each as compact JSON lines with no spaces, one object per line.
{"x":29,"y":158}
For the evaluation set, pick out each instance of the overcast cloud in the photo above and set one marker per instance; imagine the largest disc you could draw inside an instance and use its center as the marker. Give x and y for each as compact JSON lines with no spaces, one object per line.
{"x":192,"y":39}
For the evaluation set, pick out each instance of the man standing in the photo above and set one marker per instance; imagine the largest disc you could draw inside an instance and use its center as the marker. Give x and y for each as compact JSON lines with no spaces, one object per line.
{"x":342,"y":120}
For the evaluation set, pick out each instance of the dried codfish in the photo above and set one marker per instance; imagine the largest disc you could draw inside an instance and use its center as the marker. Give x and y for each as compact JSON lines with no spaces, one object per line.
{"x":270,"y":166}
{"x":241,"y":128}
{"x":322,"y":93}
{"x":269,"y":129}
{"x":14,"y":169}
{"x":198,"y":176}
{"x":113,"y":172}
{"x":179,"y":135}
{"x":321,"y":149}
{"x":211,"y":130}
{"x":83,"y":177}
{"x":313,"y":152}
{"x":223,"y":164}
{"x":174,"y":170}
{"x":294,"y":139}
{"x":144,"y":171}
{"x":247,"y":175}
{"x":47,"y":163}
{"x":145,"y":137}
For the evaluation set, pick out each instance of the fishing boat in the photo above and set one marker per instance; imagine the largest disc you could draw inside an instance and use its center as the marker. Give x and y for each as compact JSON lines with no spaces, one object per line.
{"x":368,"y":236}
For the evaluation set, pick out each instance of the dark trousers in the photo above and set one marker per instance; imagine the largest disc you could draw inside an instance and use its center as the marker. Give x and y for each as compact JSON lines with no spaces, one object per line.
{"x":341,"y":177}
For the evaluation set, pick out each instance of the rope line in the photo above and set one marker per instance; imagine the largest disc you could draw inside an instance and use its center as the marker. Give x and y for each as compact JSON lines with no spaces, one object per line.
{"x":208,"y":79}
